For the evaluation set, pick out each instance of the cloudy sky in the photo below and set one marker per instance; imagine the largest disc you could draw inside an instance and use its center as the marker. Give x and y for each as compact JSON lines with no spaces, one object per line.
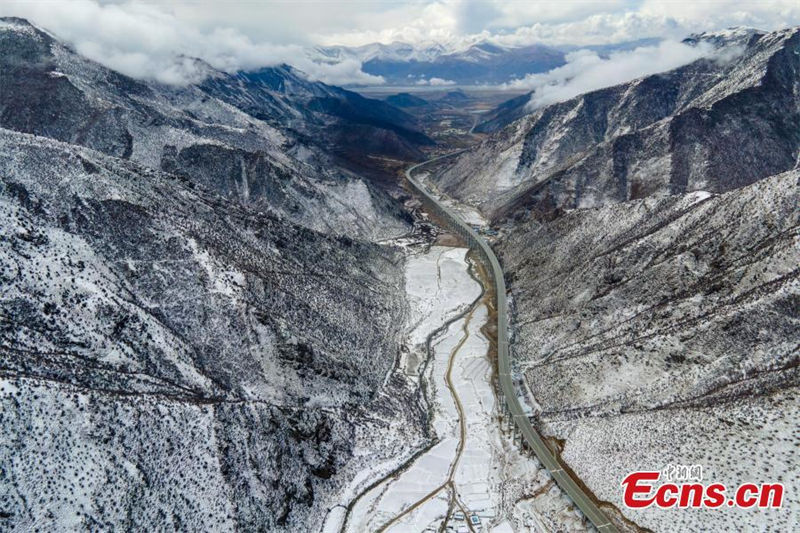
{"x":144,"y":38}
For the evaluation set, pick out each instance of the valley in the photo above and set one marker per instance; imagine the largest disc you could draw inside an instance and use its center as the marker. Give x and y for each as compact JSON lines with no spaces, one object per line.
{"x":258,"y":301}
{"x":460,"y":478}
{"x":448,"y":115}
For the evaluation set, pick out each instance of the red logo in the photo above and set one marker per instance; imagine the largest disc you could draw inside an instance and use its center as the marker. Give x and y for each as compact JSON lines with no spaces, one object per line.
{"x":640,"y":491}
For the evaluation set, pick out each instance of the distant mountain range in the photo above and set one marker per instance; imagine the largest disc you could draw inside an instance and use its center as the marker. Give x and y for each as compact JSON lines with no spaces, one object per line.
{"x":482,"y":63}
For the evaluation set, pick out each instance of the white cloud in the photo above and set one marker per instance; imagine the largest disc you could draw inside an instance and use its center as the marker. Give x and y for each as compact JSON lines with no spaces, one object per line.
{"x":515,"y":14}
{"x":440,"y":81}
{"x":459,"y":23}
{"x":436,"y":82}
{"x":586,"y":71}
{"x":145,"y":41}
{"x":346,"y":72}
{"x":144,"y":38}
{"x":670,"y":20}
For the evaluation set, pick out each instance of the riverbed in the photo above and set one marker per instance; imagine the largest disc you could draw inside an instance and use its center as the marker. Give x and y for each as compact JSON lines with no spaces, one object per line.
{"x":470,"y":476}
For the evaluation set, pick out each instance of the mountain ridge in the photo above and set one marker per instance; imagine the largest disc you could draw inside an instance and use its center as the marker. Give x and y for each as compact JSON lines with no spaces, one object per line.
{"x":648,"y":235}
{"x":196,"y":312}
{"x":644,"y":137}
{"x":334,"y":119}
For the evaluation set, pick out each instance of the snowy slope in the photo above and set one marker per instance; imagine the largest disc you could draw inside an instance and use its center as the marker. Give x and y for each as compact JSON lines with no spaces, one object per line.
{"x":711,"y":125}
{"x":255,"y":153}
{"x":164,"y":350}
{"x":665,"y":331}
{"x":196,"y":325}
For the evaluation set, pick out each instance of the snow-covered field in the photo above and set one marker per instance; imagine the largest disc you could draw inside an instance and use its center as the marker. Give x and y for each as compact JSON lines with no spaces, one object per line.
{"x":480,"y":473}
{"x":439,"y":288}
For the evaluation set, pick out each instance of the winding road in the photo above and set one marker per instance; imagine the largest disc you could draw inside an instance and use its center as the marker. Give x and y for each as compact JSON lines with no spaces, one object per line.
{"x":530,"y":435}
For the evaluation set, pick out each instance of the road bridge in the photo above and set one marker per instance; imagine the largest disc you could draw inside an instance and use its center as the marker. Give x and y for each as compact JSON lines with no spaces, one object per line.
{"x":530,"y":436}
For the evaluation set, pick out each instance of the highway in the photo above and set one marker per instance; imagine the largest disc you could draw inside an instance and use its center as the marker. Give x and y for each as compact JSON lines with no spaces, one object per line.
{"x":530,"y":435}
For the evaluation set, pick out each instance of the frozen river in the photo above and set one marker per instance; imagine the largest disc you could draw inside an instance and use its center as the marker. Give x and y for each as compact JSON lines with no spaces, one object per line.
{"x":471,"y":472}
{"x":451,"y":477}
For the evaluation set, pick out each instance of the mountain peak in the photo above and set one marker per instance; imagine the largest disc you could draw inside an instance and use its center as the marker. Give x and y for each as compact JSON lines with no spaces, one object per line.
{"x":736,"y":35}
{"x":22,"y":25}
{"x":16,"y":21}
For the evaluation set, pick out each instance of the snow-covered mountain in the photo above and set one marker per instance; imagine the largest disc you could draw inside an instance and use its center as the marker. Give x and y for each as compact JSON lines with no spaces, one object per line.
{"x":396,"y":51}
{"x":667,"y":331}
{"x":483,"y":62}
{"x":339,"y":121}
{"x":711,"y":125}
{"x":204,"y":324}
{"x":477,"y":61}
{"x":649,"y":234}
{"x":49,"y":89}
{"x":727,"y":42}
{"x":196,"y":323}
